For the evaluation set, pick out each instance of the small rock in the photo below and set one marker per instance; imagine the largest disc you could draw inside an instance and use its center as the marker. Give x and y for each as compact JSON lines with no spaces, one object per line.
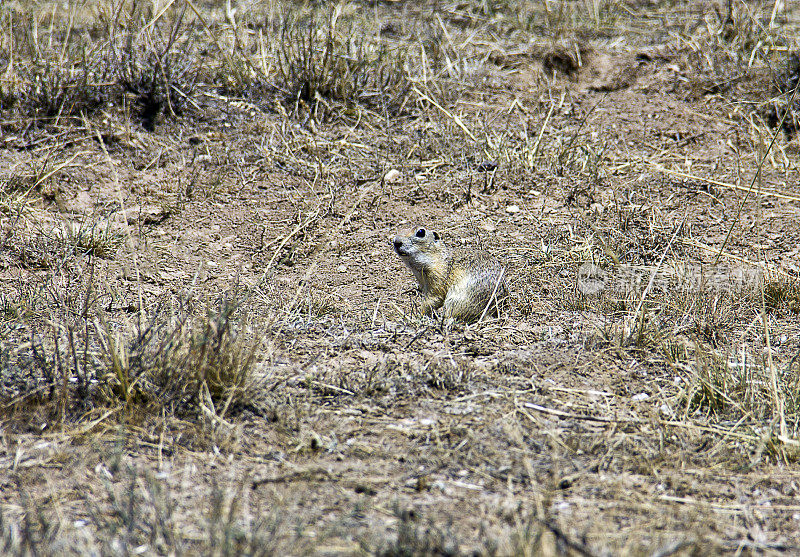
{"x":640,"y":397}
{"x":391,"y":176}
{"x":342,"y":268}
{"x":512,"y":209}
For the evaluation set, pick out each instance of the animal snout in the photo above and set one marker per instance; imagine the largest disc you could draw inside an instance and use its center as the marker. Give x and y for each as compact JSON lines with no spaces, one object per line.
{"x":398,"y":243}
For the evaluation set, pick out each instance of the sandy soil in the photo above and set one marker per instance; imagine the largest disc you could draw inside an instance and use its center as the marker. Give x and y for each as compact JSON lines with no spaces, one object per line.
{"x":574,"y":424}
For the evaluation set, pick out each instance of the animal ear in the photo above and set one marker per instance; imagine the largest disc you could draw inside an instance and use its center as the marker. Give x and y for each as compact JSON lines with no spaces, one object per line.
{"x":435,"y":236}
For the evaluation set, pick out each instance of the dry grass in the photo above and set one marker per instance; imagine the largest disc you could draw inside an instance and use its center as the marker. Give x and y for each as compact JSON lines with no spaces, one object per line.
{"x":204,"y":338}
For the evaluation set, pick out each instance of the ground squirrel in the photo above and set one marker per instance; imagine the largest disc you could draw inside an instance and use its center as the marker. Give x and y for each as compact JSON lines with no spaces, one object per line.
{"x":467,"y":287}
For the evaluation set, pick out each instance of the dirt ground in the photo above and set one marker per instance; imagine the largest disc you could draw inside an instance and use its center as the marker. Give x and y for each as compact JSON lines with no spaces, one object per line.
{"x":656,"y":417}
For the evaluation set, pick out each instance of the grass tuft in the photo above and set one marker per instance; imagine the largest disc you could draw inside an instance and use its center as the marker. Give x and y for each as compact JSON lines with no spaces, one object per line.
{"x":333,"y":59}
{"x":124,"y":57}
{"x":416,"y":537}
{"x":188,"y":364}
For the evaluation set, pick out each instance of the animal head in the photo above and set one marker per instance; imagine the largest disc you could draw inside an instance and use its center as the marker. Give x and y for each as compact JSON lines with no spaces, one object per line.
{"x":422,"y":251}
{"x":422,"y":241}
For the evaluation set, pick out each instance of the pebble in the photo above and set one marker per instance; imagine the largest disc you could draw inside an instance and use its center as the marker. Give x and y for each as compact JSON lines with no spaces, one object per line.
{"x":392,"y":176}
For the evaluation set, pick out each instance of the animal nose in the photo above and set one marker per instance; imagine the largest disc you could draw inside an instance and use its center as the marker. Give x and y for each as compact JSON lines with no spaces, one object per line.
{"x":397,"y":243}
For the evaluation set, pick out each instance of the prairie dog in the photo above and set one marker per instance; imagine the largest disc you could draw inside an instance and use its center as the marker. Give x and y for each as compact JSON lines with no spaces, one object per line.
{"x":463,"y":286}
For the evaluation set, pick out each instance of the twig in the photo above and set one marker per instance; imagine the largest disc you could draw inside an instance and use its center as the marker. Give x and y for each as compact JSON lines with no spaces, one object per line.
{"x":375,"y":312}
{"x":86,"y":428}
{"x":453,"y":117}
{"x":570,"y":415}
{"x":777,"y":195}
{"x":417,"y":337}
{"x":493,"y":297}
{"x":58,"y":168}
{"x":333,"y":388}
{"x":158,"y":16}
{"x":669,"y":423}
{"x":535,"y":148}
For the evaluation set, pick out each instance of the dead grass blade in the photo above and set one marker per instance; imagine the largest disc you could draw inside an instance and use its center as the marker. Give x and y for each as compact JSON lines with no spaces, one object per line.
{"x":695,"y":177}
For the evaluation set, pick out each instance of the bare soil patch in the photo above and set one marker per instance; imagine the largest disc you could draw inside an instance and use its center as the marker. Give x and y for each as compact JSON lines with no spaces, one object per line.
{"x":208,"y":346}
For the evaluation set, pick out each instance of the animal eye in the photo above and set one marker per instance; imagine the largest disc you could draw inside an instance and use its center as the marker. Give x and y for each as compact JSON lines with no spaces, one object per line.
{"x":420,"y":233}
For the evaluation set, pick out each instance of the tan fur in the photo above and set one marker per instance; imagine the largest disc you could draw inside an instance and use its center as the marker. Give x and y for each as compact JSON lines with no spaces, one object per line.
{"x":463,"y":287}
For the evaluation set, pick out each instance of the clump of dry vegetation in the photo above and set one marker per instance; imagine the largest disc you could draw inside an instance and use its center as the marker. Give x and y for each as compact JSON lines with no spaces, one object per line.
{"x":112,"y":55}
{"x":207,"y":345}
{"x":180,"y":364}
{"x":323,"y":61}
